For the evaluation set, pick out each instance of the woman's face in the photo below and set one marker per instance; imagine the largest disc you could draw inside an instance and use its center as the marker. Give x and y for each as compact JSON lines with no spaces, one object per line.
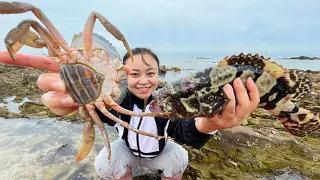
{"x":143,"y":79}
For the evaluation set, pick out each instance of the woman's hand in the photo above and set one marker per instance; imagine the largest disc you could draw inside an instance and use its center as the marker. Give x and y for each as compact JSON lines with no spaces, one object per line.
{"x":232,"y":115}
{"x":27,"y":60}
{"x":57,"y":99}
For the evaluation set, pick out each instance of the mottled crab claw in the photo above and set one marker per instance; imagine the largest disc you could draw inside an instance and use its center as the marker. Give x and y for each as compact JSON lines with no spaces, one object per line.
{"x":156,"y":110}
{"x":154,"y":107}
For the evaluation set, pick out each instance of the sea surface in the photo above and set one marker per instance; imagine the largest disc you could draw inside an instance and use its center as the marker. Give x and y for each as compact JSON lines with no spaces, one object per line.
{"x":41,"y":149}
{"x":191,"y":65}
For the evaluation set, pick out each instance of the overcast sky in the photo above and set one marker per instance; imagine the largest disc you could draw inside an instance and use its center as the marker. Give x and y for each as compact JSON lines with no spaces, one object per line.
{"x":190,"y":28}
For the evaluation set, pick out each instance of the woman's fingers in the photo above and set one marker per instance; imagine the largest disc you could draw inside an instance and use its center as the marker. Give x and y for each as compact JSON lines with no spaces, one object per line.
{"x":27,"y":60}
{"x":57,"y":99}
{"x":59,"y":103}
{"x":63,"y":111}
{"x":243,"y":106}
{"x":53,"y":99}
{"x":51,"y":82}
{"x":253,"y":93}
{"x":242,"y":98}
{"x":229,"y":111}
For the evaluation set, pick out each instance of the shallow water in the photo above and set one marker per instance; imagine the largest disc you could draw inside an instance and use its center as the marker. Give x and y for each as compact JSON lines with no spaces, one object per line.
{"x":45,"y":149}
{"x":11,"y":105}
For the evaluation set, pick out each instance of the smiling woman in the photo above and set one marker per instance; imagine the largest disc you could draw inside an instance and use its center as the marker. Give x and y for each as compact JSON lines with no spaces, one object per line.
{"x":185,"y":28}
{"x":143,"y":81}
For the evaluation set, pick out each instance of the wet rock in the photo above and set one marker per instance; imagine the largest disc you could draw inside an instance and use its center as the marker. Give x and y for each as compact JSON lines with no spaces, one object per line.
{"x":175,"y":69}
{"x":246,"y":153}
{"x":263,"y":114}
{"x":6,"y":114}
{"x":286,"y":174}
{"x":18,"y":99}
{"x":164,"y":69}
{"x":20,"y":82}
{"x":161,"y":83}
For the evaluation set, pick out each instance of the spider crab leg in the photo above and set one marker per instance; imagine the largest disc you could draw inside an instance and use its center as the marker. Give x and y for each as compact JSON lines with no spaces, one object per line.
{"x":88,"y":30}
{"x":87,"y":146}
{"x":108,"y":100}
{"x":88,"y":134}
{"x":22,"y":35}
{"x":19,"y":7}
{"x":100,"y":105}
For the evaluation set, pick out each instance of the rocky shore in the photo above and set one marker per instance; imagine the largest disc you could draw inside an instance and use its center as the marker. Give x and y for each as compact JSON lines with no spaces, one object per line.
{"x":259,"y":149}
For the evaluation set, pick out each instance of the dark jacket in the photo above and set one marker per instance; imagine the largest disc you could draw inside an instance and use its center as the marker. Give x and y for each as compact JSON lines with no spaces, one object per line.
{"x":182,"y":130}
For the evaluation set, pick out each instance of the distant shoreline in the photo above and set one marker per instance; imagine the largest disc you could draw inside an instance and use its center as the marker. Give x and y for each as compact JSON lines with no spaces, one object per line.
{"x":284,"y":58}
{"x":202,"y":58}
{"x":303,"y":58}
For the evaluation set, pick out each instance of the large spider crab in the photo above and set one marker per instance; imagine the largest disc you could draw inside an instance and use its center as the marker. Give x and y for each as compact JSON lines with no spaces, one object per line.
{"x":91,"y":67}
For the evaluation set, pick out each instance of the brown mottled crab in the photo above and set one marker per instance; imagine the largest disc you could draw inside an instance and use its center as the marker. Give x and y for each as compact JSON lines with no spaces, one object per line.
{"x":201,"y":93}
{"x":91,"y":67}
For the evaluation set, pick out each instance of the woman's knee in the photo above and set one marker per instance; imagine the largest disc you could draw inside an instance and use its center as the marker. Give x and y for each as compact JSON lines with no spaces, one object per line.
{"x":117,"y":166}
{"x":177,"y":152}
{"x":174,"y":159}
{"x":102,"y":165}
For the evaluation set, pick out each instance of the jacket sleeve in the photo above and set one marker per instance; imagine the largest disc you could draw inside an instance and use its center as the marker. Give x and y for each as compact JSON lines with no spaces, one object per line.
{"x":184,"y":131}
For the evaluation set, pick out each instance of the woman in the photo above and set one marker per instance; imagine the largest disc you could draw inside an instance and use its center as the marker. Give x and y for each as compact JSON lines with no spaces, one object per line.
{"x":132,"y":150}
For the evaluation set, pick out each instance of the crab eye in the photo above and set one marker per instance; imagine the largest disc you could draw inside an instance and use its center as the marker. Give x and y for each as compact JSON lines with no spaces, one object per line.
{"x":100,"y":78}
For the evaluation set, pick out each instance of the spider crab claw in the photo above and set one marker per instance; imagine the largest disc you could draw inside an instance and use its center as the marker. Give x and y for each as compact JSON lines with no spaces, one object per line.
{"x":88,"y":140}
{"x":15,"y":7}
{"x":22,"y":35}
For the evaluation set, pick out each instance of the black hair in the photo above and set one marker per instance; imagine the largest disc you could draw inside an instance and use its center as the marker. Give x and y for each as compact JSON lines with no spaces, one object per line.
{"x":142,"y":51}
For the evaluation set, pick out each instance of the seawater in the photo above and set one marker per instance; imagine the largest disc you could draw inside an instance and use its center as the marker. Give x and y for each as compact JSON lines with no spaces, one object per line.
{"x":189,"y":65}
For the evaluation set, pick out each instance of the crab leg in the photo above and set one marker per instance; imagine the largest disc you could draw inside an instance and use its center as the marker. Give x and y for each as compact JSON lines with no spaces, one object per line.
{"x":15,"y":8}
{"x":88,"y":134}
{"x":108,"y":100}
{"x":21,"y":35}
{"x":19,"y":7}
{"x":88,"y":140}
{"x":88,"y":30}
{"x":97,"y":120}
{"x":100,"y":105}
